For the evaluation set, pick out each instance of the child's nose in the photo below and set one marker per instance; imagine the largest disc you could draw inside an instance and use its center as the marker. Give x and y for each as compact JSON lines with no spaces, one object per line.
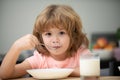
{"x":55,"y":39}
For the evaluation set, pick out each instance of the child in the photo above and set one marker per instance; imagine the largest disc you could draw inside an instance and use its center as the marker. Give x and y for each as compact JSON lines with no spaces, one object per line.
{"x":58,"y":40}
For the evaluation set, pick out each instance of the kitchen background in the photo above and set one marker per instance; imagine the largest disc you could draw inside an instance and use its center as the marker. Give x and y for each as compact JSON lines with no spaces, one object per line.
{"x":17,"y":18}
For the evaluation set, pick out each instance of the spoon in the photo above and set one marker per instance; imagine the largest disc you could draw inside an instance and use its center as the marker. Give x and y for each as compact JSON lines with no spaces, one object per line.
{"x":50,"y":47}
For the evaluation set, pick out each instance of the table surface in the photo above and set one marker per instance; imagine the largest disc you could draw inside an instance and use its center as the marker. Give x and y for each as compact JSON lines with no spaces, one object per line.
{"x":75,"y":78}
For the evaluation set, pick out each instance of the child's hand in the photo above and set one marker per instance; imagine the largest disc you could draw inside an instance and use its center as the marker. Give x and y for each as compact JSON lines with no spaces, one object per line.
{"x":26,"y":42}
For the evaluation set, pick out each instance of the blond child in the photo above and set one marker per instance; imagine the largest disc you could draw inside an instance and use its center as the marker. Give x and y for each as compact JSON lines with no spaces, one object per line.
{"x":58,"y":41}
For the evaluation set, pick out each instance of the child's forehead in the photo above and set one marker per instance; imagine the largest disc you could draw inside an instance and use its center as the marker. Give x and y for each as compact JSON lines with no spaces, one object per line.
{"x":48,"y":28}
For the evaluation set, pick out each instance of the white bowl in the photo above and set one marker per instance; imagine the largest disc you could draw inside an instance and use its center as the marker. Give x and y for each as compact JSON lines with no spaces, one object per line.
{"x":50,"y":73}
{"x":104,"y":54}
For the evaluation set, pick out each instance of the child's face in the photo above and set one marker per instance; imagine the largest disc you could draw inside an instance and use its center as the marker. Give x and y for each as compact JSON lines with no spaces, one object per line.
{"x":56,"y":41}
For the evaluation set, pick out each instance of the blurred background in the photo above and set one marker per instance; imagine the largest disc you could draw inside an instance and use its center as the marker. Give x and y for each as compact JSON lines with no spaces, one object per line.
{"x":100,"y":18}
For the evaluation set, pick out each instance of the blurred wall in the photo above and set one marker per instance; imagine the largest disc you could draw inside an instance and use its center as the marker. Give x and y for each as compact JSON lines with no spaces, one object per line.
{"x":17,"y":17}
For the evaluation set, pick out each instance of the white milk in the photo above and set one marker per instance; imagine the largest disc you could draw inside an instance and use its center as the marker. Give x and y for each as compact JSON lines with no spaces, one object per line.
{"x":90,"y":67}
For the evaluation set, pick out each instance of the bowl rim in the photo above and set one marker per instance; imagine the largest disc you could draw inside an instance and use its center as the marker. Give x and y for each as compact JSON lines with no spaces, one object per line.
{"x":69,"y":71}
{"x":51,"y":69}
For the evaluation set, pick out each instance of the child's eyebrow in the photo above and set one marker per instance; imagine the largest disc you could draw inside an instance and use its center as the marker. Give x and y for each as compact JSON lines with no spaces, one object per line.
{"x":47,"y":31}
{"x":61,"y":28}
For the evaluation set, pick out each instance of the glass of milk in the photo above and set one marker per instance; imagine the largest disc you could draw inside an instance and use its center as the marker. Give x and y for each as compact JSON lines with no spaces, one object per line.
{"x":90,"y":67}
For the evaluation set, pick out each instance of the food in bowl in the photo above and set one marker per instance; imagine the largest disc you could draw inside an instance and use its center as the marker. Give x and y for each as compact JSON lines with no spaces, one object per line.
{"x":50,"y":73}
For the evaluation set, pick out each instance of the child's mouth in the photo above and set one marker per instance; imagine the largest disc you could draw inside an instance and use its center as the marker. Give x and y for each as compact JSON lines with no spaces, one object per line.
{"x":56,"y":47}
{"x":51,"y":47}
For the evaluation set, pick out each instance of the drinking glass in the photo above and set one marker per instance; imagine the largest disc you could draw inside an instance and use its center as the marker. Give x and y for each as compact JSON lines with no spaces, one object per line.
{"x":90,"y":67}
